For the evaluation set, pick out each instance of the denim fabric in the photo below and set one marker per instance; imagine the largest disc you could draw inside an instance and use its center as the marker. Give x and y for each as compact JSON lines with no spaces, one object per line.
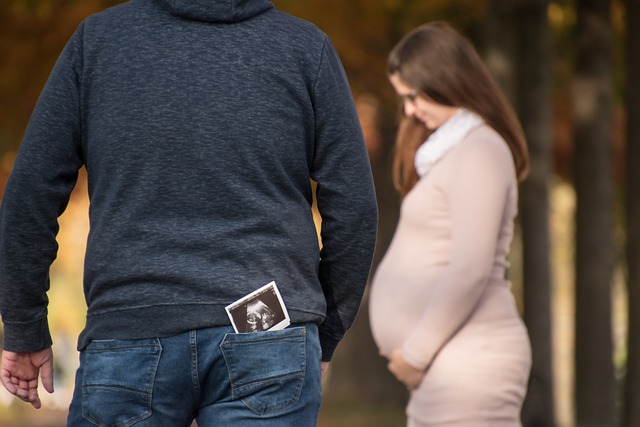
{"x":117,"y":384}
{"x":213,"y":375}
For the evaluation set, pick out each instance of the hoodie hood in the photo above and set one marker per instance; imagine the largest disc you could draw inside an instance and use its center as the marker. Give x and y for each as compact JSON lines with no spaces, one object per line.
{"x":227,"y":11}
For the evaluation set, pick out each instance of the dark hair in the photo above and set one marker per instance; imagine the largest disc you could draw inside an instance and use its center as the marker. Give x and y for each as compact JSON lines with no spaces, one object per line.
{"x":443,"y":65}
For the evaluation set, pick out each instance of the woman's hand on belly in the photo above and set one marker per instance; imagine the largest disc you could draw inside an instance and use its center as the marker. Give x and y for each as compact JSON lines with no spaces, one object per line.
{"x":405,"y":373}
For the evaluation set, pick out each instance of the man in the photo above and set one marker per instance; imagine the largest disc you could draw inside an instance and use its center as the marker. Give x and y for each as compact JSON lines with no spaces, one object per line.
{"x":201,"y":124}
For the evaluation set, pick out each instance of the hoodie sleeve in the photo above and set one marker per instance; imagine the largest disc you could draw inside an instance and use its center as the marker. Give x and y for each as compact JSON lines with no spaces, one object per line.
{"x":36,"y":194}
{"x":346,"y":200}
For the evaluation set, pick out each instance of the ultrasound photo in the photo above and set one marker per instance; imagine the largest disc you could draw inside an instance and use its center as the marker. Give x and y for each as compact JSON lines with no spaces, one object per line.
{"x":261,"y":310}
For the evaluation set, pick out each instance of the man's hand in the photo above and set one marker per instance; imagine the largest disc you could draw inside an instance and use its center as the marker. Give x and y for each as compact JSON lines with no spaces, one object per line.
{"x":405,"y":373}
{"x":324,"y":368}
{"x":19,"y":374}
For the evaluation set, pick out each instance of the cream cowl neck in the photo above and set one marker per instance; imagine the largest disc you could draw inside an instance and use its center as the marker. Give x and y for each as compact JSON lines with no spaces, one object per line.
{"x":444,"y":139}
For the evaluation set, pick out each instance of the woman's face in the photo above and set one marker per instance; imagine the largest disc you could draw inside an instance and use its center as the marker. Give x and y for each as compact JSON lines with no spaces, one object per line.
{"x":432,"y":114}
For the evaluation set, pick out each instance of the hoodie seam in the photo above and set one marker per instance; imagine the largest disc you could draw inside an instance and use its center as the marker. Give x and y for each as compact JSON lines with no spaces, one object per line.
{"x":315,"y":83}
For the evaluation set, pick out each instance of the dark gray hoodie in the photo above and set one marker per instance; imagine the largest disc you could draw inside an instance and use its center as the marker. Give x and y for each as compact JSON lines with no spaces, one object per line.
{"x":200,"y":124}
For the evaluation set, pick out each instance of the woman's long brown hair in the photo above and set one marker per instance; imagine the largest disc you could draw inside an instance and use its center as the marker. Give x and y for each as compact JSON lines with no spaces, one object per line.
{"x":444,"y":66}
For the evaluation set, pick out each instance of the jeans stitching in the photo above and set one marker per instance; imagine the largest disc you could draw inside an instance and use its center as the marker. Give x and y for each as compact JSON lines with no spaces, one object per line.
{"x":295,"y":379}
{"x":195,"y":378}
{"x":147,"y":392}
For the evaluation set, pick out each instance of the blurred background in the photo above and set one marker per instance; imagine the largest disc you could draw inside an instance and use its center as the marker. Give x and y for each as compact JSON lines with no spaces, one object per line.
{"x":571,"y":69}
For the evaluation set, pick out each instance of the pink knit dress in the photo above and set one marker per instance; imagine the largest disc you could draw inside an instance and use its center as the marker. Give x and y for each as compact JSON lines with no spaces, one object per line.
{"x":440,"y":293}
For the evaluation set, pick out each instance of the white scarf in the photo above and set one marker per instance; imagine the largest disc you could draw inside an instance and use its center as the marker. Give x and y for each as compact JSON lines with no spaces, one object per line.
{"x":444,"y":139}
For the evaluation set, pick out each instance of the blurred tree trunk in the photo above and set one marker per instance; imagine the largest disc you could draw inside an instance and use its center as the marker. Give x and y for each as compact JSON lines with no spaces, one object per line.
{"x":632,"y":392}
{"x":518,"y":52}
{"x":534,"y":106}
{"x":592,"y":99}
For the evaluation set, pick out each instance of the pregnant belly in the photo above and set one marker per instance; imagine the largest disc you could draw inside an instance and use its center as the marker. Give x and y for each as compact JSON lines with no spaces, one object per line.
{"x":397,"y":300}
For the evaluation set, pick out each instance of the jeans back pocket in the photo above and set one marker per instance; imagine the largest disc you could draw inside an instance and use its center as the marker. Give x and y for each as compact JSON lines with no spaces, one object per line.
{"x":117,"y":383}
{"x":266,"y":369}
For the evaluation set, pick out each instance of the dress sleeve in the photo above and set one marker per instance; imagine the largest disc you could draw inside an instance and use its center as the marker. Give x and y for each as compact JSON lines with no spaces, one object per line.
{"x":478,"y":190}
{"x":36,"y":194}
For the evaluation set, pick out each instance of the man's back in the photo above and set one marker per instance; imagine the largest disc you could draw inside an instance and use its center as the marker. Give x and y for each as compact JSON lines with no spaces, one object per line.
{"x":200,"y":124}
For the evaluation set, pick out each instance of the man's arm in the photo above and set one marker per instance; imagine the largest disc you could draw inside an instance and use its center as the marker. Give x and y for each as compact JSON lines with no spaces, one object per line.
{"x":346,"y":200}
{"x":36,"y":194}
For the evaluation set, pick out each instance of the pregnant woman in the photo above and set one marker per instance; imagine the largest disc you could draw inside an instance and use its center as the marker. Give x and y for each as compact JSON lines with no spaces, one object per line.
{"x":441,"y":309}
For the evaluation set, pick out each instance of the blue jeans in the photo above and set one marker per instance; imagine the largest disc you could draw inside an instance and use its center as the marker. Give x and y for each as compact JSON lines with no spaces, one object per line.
{"x":215,"y":376}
